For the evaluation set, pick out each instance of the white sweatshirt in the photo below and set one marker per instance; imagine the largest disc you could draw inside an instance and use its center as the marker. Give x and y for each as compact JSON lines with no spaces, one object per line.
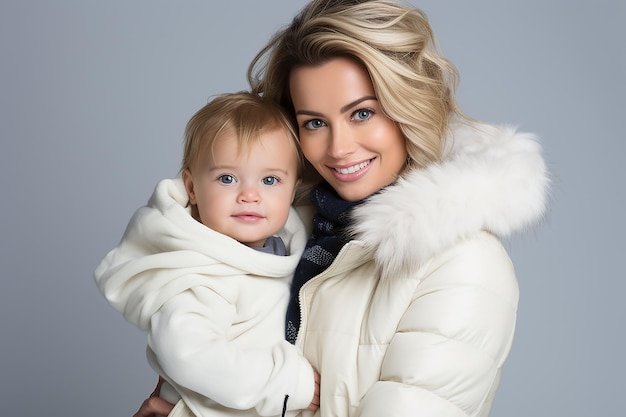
{"x":213,"y":308}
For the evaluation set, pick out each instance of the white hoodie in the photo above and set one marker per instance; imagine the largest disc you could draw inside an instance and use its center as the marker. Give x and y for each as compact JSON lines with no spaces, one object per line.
{"x":213,"y":308}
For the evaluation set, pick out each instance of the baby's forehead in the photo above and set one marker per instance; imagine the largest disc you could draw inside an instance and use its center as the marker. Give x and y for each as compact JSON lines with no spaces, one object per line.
{"x":274,"y":146}
{"x":247,"y":141}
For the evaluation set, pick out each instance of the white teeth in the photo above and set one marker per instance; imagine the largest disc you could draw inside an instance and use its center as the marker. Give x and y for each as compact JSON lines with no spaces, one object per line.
{"x":353,"y":168}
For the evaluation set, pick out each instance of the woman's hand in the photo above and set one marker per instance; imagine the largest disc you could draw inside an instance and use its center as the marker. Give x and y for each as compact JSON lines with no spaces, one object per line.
{"x":155,"y":405}
{"x":315,"y":403}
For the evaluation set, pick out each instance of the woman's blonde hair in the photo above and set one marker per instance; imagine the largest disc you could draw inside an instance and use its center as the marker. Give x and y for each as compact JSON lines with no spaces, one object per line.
{"x":413,"y":82}
{"x":243,"y":114}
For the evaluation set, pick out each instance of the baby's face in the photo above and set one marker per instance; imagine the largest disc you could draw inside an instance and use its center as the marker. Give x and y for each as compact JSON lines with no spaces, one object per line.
{"x":245,"y":195}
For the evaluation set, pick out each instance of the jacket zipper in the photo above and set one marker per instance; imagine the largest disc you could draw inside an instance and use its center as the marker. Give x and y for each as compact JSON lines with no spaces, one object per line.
{"x":301,"y":298}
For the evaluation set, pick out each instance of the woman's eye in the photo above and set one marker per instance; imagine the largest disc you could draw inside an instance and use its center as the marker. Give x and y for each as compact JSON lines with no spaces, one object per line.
{"x":270,"y":180}
{"x":363,"y":114}
{"x":226,"y":179}
{"x":313,"y":124}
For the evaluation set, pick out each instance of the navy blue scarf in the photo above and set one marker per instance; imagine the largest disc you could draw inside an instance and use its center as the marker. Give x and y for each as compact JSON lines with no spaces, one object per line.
{"x":328,"y":237}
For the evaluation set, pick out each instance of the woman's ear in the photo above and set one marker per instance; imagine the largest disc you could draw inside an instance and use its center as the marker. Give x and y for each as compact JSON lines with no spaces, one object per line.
{"x":188,"y":181}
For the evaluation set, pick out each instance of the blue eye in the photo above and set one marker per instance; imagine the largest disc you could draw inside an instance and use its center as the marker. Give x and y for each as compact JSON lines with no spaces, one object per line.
{"x":363,"y":114}
{"x":313,"y":124}
{"x":270,"y":180}
{"x":226,"y":179}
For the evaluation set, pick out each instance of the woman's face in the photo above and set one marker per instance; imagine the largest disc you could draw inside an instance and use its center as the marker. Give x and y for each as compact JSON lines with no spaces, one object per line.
{"x":343,"y":131}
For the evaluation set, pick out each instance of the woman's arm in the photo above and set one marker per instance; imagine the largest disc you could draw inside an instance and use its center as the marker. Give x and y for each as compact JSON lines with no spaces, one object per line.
{"x":447,"y":354}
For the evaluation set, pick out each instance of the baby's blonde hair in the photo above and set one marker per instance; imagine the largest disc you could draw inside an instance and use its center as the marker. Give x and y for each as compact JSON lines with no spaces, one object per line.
{"x":243,"y":114}
{"x":413,"y":82}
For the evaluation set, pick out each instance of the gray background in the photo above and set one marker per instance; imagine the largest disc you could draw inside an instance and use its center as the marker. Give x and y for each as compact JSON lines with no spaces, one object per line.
{"x":94,"y":97}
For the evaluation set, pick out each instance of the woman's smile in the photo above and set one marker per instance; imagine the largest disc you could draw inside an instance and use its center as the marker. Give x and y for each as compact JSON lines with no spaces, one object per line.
{"x":351,"y":172}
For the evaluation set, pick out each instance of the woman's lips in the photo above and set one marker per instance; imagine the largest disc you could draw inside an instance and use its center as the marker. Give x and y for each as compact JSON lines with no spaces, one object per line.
{"x":351,"y":172}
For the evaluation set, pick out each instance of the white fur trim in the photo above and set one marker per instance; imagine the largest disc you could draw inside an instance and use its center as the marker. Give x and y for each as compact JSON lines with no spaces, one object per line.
{"x":493,"y":179}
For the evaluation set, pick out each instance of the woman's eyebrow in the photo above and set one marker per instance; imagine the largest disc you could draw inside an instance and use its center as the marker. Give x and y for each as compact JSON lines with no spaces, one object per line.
{"x":355,"y":102}
{"x":342,"y":110}
{"x":309,"y":113}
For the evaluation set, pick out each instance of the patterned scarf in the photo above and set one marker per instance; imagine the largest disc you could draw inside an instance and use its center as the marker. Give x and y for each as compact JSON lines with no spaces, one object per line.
{"x":327,"y":239}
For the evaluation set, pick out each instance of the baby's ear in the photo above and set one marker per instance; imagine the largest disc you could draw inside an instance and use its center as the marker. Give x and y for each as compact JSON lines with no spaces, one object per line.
{"x":188,"y":181}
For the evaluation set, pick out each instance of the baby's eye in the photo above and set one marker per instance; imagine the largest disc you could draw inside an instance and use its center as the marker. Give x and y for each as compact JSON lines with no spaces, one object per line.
{"x":226,"y":179}
{"x":271,"y":180}
{"x":313,"y":124}
{"x":363,"y":114}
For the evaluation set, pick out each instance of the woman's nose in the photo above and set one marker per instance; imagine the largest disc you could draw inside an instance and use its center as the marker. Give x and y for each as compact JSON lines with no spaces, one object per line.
{"x":249,"y":194}
{"x":341,"y":142}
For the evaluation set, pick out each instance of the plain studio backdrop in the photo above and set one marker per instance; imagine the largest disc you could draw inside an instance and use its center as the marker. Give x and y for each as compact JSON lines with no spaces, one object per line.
{"x":94,"y":98}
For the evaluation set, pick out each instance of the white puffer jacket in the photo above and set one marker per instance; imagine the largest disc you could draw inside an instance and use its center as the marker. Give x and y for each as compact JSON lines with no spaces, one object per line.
{"x":416,"y":316}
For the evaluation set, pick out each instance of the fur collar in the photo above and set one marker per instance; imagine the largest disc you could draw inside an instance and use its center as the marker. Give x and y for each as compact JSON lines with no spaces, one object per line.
{"x":492,"y":178}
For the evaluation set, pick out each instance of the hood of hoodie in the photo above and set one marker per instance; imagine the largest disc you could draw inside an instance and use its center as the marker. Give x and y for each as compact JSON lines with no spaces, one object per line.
{"x":165,"y":251}
{"x":491,"y":178}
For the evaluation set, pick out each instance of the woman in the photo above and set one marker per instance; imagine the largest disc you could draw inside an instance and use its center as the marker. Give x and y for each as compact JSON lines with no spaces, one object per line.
{"x":404,"y":300}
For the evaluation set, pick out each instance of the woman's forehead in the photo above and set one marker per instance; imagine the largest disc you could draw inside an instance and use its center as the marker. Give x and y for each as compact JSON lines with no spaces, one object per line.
{"x":336,"y":83}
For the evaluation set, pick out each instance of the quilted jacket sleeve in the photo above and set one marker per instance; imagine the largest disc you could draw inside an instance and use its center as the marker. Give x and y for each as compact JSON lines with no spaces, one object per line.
{"x":446,"y":356}
{"x":191,"y":341}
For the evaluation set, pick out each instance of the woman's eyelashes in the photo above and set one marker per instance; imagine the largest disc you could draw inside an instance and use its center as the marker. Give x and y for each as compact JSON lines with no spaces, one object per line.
{"x":362,"y":115}
{"x":359,"y":116}
{"x":313,"y":124}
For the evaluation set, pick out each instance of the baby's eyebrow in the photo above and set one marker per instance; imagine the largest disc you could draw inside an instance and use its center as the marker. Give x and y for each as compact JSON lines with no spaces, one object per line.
{"x":223,"y":167}
{"x":280,"y":170}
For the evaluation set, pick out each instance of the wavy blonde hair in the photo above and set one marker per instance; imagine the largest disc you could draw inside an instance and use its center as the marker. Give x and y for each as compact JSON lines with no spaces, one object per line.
{"x":413,"y":82}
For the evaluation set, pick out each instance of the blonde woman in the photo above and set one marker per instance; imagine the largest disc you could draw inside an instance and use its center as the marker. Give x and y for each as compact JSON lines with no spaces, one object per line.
{"x":404,"y":299}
